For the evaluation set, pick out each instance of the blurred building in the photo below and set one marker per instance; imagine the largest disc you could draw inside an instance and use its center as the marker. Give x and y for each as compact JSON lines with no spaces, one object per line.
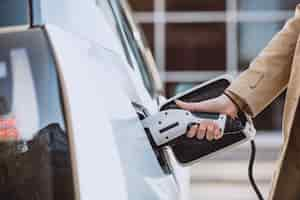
{"x":196,"y":40}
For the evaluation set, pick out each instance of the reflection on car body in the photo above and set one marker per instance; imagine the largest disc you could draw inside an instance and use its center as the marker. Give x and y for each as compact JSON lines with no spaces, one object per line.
{"x":68,"y":86}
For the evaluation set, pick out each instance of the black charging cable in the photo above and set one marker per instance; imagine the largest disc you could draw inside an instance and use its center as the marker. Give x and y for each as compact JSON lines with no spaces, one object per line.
{"x":250,"y":171}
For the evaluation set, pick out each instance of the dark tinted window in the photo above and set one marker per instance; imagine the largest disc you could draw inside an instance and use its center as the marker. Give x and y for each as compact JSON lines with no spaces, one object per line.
{"x":133,"y":50}
{"x":14,"y":13}
{"x":136,"y":51}
{"x":31,"y":107}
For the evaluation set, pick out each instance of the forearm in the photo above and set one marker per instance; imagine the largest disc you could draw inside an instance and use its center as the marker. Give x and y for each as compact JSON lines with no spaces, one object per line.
{"x":269,"y":73}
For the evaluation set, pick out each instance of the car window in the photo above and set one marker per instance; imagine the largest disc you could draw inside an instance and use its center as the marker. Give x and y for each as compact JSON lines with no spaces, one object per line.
{"x":14,"y":13}
{"x":106,"y":10}
{"x":36,"y":163}
{"x":131,"y":46}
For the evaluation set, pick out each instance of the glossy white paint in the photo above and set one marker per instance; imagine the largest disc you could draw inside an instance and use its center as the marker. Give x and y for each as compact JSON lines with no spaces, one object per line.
{"x":99,"y":167}
{"x":94,"y":88}
{"x":84,"y":19}
{"x":100,"y":82}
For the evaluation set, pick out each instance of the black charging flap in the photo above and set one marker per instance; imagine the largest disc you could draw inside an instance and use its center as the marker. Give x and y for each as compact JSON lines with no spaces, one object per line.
{"x":187,"y":150}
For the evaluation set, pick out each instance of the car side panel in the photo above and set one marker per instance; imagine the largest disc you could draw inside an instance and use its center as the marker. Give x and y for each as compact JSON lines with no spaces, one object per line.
{"x":81,"y":17}
{"x":142,"y":175}
{"x":97,"y":162}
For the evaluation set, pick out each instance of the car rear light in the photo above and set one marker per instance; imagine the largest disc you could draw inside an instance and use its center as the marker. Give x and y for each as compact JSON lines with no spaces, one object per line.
{"x":8,"y":130}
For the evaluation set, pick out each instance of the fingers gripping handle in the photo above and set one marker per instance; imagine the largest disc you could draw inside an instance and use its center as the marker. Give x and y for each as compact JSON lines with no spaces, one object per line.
{"x":199,"y":117}
{"x":169,"y":125}
{"x":188,"y":151}
{"x":226,"y":124}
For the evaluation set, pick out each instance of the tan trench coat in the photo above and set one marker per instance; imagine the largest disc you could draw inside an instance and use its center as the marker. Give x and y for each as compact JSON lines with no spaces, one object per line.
{"x":278,"y":68}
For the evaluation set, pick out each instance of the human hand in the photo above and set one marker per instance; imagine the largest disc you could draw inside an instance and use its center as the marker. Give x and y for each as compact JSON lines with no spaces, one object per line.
{"x":221,"y":104}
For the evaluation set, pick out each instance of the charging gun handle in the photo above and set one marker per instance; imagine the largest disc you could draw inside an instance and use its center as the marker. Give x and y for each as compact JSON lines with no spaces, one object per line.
{"x":189,"y":150}
{"x":225,"y":123}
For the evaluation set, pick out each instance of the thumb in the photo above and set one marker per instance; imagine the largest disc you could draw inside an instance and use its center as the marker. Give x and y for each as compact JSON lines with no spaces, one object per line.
{"x":188,"y":106}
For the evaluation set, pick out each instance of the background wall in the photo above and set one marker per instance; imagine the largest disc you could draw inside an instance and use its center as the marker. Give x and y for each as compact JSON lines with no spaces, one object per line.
{"x":196,"y":40}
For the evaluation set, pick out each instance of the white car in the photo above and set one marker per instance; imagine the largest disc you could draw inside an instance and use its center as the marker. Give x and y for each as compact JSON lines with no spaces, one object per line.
{"x":75,"y":80}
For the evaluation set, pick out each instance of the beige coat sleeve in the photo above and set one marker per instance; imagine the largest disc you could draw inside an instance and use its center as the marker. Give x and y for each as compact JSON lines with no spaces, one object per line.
{"x":268,"y":74}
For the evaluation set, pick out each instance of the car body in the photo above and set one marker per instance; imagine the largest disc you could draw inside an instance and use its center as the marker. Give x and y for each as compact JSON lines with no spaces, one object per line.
{"x":83,"y":66}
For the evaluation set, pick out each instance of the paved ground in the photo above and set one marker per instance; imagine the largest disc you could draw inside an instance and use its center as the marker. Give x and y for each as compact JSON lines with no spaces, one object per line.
{"x":226,"y":177}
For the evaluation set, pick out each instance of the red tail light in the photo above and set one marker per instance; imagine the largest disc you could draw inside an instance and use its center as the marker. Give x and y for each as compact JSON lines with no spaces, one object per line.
{"x":8,"y":130}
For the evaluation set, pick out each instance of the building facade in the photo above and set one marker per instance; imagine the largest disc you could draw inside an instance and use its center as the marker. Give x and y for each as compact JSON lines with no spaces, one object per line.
{"x":196,"y":40}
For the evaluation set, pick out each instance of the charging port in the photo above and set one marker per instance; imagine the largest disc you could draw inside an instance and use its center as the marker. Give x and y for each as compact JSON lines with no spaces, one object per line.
{"x":161,"y":158}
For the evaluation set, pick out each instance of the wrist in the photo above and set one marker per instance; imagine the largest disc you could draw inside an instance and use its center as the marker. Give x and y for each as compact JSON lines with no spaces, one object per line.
{"x":231,"y":108}
{"x":234,"y":101}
